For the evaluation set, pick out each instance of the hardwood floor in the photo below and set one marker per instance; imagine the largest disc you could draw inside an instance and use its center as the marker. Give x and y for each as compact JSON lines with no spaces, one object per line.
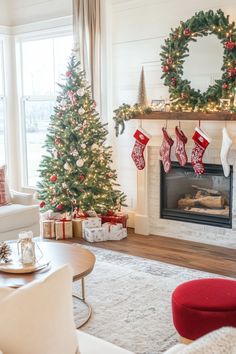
{"x":213,"y":259}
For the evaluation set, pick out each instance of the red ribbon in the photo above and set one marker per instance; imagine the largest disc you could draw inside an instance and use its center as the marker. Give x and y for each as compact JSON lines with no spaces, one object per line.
{"x":64,"y":220}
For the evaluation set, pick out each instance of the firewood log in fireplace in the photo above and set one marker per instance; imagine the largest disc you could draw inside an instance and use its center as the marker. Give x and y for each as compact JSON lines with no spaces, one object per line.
{"x":207,"y":191}
{"x":222,"y":212}
{"x":211,"y":202}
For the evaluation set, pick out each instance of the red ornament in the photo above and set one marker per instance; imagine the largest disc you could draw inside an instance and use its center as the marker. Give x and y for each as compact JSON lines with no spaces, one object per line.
{"x":173,"y":81}
{"x":231,"y":72}
{"x":225,"y":86}
{"x":59,"y":114}
{"x":42,"y":204}
{"x":53,"y":178}
{"x":81,"y":178}
{"x":68,"y":74}
{"x":187,"y":32}
{"x":165,"y":68}
{"x":110,"y":174}
{"x":58,"y":141}
{"x":169,"y":61}
{"x":59,"y":207}
{"x":229,"y":45}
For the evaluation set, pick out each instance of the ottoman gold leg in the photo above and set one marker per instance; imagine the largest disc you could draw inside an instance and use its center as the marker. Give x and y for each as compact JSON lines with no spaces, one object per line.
{"x":185,"y":340}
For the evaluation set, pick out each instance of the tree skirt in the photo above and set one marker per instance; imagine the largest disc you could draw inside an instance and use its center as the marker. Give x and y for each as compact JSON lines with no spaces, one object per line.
{"x":131,"y":300}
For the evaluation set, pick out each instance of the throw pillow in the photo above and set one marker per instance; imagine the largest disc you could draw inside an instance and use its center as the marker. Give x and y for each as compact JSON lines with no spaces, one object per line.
{"x":38,"y":318}
{"x":5,"y":197}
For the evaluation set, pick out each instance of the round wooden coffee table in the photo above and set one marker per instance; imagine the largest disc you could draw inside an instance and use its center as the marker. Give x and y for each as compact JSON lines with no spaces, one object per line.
{"x":81,"y":261}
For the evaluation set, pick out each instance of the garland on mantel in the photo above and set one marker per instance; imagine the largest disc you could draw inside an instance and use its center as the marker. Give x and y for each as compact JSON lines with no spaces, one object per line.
{"x":182,"y":96}
{"x":126,"y":112}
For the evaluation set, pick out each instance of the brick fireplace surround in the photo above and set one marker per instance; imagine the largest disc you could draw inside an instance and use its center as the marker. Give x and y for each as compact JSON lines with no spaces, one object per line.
{"x":147,"y":218}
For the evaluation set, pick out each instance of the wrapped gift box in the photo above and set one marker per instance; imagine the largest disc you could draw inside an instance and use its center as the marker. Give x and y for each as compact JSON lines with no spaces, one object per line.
{"x":91,"y":223}
{"x":117,"y":235}
{"x":63,"y":229}
{"x":77,"y":227}
{"x":118,"y":218}
{"x":95,"y":234}
{"x":47,"y":229}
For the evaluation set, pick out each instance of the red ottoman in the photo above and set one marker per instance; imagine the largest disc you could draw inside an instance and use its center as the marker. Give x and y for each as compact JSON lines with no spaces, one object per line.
{"x":201,"y":306}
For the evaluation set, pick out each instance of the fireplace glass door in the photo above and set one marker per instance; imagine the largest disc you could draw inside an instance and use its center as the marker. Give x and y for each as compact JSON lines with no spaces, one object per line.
{"x":189,"y":197}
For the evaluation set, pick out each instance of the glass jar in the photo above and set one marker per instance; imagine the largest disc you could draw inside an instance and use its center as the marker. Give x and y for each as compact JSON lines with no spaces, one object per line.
{"x":26,"y":248}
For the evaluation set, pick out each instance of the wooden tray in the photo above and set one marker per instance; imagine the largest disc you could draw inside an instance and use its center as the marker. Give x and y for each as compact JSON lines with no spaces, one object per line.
{"x":16,"y":267}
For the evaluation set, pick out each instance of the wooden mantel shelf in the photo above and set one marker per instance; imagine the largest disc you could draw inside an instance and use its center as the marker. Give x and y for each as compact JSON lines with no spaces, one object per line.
{"x":213,"y":116}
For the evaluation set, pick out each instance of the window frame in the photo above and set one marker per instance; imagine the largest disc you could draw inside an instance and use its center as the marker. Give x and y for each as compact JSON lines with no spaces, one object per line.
{"x":3,"y":97}
{"x":22,"y":99}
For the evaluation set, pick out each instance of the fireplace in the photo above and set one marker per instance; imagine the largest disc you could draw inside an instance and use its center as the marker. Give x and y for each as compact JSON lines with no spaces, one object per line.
{"x":205,"y":199}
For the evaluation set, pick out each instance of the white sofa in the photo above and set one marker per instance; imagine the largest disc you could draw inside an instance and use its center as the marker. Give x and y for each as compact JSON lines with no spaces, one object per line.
{"x":21,"y":214}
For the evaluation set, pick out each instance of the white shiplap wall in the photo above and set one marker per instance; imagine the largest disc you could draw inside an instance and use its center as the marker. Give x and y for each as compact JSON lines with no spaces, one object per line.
{"x":139,"y":30}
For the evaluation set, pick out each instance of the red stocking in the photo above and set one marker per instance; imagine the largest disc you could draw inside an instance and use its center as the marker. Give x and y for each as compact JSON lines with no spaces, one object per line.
{"x":201,"y":141}
{"x":180,"y":152}
{"x":142,"y":139}
{"x":165,"y":150}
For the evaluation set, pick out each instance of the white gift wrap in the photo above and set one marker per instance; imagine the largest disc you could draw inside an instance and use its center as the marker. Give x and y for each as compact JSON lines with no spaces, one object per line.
{"x":117,"y":235}
{"x":91,"y":223}
{"x":116,"y":227}
{"x":95,"y":234}
{"x":50,"y":215}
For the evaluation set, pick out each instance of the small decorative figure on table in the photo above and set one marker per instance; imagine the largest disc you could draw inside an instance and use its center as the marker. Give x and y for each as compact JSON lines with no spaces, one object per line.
{"x":26,"y":248}
{"x":5,"y":252}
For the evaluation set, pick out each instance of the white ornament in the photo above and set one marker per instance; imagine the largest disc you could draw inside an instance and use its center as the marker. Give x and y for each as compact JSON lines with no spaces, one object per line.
{"x":55,"y":153}
{"x":83,"y":146}
{"x":80,"y":92}
{"x":67,"y":166}
{"x":74,"y":152}
{"x":64,"y":185}
{"x":80,"y":163}
{"x":81,"y":111}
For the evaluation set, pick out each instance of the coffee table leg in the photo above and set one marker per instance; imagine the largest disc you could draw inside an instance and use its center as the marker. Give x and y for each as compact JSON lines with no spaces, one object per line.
{"x":82,"y":298}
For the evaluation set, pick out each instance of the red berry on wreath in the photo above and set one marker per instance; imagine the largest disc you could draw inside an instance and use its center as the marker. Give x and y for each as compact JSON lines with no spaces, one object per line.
{"x":59,"y":207}
{"x":187,"y":32}
{"x":169,"y":61}
{"x":229,"y":45}
{"x":53,"y":178}
{"x":225,"y":86}
{"x":81,"y":178}
{"x":232,"y":72}
{"x":165,"y":68}
{"x":42,"y":204}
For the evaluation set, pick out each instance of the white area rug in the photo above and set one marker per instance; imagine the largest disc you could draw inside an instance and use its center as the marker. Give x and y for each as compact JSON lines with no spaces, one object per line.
{"x":131,"y":300}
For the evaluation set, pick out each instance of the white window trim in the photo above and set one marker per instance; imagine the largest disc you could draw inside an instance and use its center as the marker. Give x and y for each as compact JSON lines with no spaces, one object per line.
{"x":19,"y":39}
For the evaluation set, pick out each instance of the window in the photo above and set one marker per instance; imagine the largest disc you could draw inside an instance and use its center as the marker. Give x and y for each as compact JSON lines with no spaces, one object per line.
{"x":2,"y":109}
{"x":42,"y":63}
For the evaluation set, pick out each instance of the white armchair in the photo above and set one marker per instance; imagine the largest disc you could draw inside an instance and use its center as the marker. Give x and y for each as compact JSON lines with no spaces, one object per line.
{"x":21,"y":214}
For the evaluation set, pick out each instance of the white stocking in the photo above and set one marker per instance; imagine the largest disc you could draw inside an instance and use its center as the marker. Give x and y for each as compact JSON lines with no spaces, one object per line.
{"x":226,"y":143}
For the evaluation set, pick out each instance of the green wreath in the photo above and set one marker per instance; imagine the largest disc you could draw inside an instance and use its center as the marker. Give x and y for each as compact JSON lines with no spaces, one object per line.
{"x":182,"y":96}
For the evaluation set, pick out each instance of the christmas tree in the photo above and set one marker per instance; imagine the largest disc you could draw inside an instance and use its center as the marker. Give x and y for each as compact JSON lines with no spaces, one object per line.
{"x":142,"y":95}
{"x":76,"y":172}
